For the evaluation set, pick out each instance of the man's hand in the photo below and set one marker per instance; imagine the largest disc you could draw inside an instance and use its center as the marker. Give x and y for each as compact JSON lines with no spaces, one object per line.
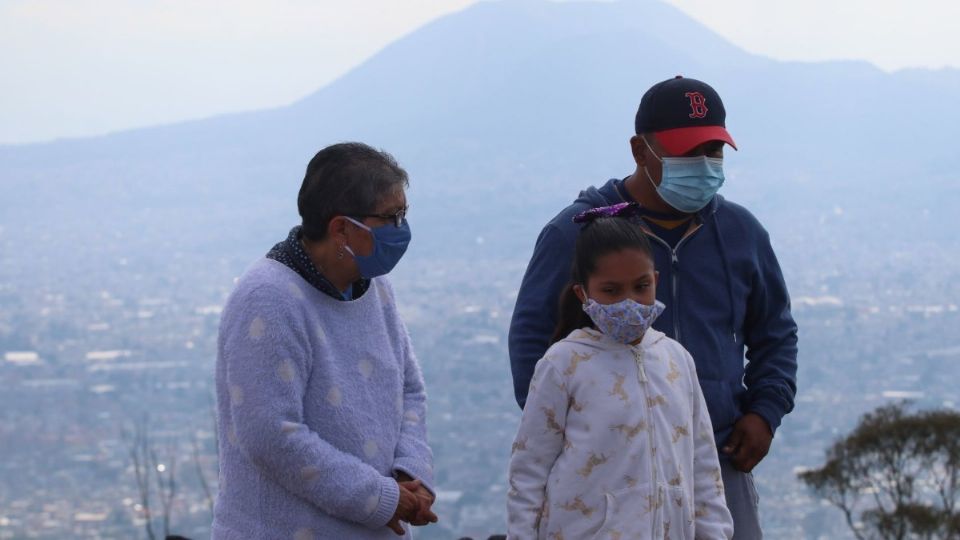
{"x":407,"y":508}
{"x":749,"y":442}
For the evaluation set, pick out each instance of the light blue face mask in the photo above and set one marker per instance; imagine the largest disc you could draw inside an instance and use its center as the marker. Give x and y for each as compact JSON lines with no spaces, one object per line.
{"x":687,"y":183}
{"x":625,"y":321}
{"x":389,"y":244}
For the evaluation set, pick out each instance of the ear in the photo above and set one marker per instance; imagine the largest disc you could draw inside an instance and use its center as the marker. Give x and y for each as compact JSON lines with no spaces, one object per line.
{"x":337,"y":226}
{"x":639,"y":150}
{"x":581,"y":294}
{"x":656,"y":278}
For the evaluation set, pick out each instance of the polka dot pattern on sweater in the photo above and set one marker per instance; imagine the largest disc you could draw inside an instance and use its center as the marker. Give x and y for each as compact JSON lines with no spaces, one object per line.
{"x":366,"y":368}
{"x":286,"y":371}
{"x":372,"y":503}
{"x":257,"y":328}
{"x":296,"y":291}
{"x":236,"y":396}
{"x":310,"y":474}
{"x":334,"y":397}
{"x":303,"y":534}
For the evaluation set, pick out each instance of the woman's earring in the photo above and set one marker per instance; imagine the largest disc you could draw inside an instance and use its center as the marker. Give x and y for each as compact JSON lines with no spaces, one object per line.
{"x":340,"y":252}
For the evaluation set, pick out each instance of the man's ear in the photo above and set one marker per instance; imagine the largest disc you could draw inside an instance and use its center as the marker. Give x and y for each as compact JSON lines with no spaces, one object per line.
{"x":639,"y":150}
{"x":581,"y":294}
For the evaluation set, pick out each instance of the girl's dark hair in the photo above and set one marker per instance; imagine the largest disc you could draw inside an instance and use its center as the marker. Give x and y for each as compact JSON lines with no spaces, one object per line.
{"x":601,"y":236}
{"x":346,"y":179}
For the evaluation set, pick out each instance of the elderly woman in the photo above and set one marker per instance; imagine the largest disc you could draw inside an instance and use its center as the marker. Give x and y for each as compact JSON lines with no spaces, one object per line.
{"x":320,"y":398}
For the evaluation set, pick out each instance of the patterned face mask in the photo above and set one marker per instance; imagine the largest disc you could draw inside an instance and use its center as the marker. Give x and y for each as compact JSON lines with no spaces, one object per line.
{"x":625,"y":321}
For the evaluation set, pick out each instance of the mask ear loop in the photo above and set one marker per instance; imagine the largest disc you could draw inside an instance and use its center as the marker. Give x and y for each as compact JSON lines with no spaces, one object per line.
{"x":654,"y":154}
{"x":582,"y":289}
{"x":358,"y":224}
{"x":345,"y":246}
{"x":647,"y":171}
{"x":646,"y":142}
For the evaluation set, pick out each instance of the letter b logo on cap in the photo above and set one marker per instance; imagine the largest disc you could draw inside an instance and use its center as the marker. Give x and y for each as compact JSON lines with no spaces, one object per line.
{"x":698,"y":104}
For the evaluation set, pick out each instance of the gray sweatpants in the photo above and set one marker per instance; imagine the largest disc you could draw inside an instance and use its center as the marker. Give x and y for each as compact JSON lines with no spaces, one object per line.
{"x":742,"y":500}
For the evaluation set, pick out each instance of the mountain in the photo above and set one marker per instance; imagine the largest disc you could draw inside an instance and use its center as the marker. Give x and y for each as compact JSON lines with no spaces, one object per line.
{"x":514,"y":106}
{"x":125,"y":245}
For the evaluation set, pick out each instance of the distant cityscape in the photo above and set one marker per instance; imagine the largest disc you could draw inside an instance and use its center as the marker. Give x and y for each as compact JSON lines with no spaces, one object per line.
{"x":89,"y":357}
{"x":118,"y":252}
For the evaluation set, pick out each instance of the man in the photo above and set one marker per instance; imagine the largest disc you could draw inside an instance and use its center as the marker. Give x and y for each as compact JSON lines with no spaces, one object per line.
{"x":719,"y":278}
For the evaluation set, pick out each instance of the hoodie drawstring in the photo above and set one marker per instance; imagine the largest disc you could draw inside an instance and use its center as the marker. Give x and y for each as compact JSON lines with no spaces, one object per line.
{"x":727,"y":274}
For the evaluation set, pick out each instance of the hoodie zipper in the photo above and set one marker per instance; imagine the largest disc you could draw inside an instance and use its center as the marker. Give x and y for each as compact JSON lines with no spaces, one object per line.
{"x":637,"y":351}
{"x":674,"y":276}
{"x":644,"y":395}
{"x":638,"y":358}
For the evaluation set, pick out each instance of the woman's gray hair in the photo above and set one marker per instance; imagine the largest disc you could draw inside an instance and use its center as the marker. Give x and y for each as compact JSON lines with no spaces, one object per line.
{"x":346,"y":179}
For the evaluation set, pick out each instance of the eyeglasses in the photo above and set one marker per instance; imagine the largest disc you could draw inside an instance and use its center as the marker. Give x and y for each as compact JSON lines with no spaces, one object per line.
{"x":397,"y":218}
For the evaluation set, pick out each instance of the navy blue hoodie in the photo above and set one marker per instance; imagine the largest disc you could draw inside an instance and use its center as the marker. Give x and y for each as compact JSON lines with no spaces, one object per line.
{"x":724,"y":293}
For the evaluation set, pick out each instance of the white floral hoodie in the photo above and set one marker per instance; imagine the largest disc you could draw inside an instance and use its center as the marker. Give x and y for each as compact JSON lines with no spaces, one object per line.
{"x":615,"y":442}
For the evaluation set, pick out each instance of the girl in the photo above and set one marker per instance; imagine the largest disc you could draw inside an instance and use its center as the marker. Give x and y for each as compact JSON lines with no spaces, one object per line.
{"x":615,"y":440}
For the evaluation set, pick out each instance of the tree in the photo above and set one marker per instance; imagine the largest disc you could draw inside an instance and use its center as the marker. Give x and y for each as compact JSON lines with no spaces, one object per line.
{"x":166,"y":485}
{"x":145,"y":462}
{"x":201,"y":474}
{"x":896,"y":476}
{"x":139,"y":446}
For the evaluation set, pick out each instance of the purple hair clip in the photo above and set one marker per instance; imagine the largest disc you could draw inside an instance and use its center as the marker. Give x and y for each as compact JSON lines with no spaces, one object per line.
{"x":624,"y":209}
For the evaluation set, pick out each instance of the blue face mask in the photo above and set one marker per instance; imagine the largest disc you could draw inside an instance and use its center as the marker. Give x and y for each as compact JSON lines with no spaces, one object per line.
{"x":688,"y":183}
{"x":389,"y":244}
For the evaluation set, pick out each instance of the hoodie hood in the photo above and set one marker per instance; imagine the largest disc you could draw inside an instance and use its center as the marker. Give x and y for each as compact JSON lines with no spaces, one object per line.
{"x":595,"y":339}
{"x":605,"y":195}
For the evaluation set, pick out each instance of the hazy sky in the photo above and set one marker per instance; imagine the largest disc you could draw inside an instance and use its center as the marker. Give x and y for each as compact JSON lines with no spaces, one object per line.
{"x":81,"y":67}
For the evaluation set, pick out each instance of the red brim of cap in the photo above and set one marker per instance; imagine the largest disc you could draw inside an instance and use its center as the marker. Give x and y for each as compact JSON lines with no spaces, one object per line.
{"x":679,"y":141}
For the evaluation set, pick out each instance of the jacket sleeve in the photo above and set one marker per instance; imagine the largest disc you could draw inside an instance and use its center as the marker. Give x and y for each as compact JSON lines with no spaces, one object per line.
{"x":413,"y":455}
{"x":535,"y":313}
{"x":538,"y":443}
{"x":712,"y":519}
{"x":770,"y":334}
{"x":267,"y":363}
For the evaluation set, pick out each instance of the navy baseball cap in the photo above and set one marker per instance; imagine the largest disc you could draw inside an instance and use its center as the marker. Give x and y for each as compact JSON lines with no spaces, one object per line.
{"x":682,"y":114}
